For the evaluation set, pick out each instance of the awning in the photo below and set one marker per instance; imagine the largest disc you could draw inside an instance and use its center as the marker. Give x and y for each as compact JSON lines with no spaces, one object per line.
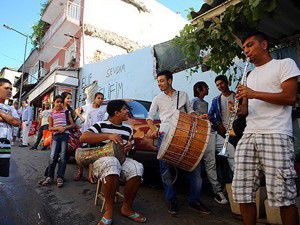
{"x":171,"y":57}
{"x":57,"y":77}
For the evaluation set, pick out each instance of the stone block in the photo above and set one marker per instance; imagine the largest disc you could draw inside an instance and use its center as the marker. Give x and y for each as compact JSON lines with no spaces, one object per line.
{"x":261,"y":196}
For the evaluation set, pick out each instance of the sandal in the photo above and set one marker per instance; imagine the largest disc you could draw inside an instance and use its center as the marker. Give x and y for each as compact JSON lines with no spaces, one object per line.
{"x":105,"y":221}
{"x":137,"y":217}
{"x":60,"y":182}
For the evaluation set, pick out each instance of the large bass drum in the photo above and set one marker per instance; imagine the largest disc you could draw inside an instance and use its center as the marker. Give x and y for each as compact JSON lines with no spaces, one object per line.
{"x":185,"y":143}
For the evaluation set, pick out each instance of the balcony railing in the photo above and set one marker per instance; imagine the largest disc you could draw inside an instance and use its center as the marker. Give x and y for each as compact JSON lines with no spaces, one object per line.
{"x":71,"y":12}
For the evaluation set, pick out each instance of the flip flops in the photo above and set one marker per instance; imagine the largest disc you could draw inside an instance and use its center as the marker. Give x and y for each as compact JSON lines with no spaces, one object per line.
{"x":105,"y":221}
{"x":137,"y":217}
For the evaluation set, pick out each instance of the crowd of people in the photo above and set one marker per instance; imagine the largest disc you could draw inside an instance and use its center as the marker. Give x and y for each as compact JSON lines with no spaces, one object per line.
{"x":265,"y":147}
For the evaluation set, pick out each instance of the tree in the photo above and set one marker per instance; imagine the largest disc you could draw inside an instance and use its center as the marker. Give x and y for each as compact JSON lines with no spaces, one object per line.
{"x":39,"y":29}
{"x":216,"y":36}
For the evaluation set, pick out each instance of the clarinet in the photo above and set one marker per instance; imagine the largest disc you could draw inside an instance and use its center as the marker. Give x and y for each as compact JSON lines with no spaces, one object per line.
{"x":232,"y":118}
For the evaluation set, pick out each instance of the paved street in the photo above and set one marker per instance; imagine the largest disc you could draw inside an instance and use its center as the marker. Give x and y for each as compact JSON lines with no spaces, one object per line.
{"x":22,"y":201}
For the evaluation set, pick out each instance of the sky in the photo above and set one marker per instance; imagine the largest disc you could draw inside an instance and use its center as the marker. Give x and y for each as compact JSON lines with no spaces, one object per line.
{"x":22,"y":14}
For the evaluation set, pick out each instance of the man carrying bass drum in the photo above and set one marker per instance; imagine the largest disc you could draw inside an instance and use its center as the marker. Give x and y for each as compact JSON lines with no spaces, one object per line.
{"x":166,"y":103}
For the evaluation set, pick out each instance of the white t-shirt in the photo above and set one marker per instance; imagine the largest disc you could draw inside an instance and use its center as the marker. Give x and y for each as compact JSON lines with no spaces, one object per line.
{"x":44,"y":116}
{"x":92,"y":115}
{"x":263,"y":117}
{"x":5,"y":128}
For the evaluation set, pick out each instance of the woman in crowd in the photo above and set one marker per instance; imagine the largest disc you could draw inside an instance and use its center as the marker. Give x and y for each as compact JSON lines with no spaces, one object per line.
{"x":58,"y":124}
{"x":75,"y":133}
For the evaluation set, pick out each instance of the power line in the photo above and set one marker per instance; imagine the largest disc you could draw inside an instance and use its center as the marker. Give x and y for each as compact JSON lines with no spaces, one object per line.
{"x":10,"y":57}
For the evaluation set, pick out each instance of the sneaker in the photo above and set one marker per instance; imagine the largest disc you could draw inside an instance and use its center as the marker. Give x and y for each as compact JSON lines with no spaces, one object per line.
{"x":220,"y":198}
{"x":173,"y":207}
{"x":47,"y":181}
{"x":60,"y":182}
{"x":33,"y":148}
{"x":199,"y":207}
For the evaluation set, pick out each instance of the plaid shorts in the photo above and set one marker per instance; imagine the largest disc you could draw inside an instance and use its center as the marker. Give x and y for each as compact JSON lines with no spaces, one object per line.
{"x":269,"y":154}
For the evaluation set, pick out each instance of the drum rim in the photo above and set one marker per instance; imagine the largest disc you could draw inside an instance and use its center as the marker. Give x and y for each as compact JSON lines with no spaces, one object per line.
{"x":164,"y":143}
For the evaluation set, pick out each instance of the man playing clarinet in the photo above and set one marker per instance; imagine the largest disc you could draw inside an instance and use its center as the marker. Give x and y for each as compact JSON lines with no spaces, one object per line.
{"x":267,"y":144}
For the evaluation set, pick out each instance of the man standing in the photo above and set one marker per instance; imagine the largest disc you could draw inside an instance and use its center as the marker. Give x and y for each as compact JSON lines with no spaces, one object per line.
{"x":219,"y":115}
{"x":166,"y":103}
{"x":27,"y":115}
{"x":109,"y":169}
{"x":91,"y":113}
{"x":8,"y":119}
{"x":200,"y":106}
{"x":267,"y":144}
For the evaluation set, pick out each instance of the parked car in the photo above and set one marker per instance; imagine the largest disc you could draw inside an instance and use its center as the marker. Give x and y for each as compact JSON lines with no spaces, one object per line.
{"x":145,"y":146}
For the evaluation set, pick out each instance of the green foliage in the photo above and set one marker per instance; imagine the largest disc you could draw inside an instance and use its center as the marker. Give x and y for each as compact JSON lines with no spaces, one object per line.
{"x":39,"y":29}
{"x":215,"y":37}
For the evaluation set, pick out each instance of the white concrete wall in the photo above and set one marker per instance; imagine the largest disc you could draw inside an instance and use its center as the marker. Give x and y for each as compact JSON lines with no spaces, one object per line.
{"x":91,"y":44}
{"x":146,"y":28}
{"x":132,"y":76}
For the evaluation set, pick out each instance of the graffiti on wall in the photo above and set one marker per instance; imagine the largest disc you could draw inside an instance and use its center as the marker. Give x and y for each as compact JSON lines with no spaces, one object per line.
{"x":113,"y":90}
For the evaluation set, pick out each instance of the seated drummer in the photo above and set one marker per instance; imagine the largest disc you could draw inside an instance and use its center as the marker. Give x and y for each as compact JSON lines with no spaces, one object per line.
{"x":109,"y":169}
{"x":166,"y":103}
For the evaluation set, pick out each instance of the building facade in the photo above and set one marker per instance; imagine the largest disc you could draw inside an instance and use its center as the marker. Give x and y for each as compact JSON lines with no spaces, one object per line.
{"x":87,"y":31}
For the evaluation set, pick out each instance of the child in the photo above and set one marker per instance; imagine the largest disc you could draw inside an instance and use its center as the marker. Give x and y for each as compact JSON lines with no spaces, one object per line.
{"x":58,"y":124}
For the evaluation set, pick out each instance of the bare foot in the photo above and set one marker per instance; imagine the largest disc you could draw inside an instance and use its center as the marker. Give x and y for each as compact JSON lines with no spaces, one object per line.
{"x":126,"y":211}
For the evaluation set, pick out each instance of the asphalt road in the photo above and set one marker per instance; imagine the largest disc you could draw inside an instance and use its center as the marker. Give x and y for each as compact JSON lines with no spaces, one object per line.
{"x":22,"y":201}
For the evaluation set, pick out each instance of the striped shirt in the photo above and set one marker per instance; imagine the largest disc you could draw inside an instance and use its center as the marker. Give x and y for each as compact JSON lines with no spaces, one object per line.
{"x":124,"y":130}
{"x":5,"y":139}
{"x":59,"y":119}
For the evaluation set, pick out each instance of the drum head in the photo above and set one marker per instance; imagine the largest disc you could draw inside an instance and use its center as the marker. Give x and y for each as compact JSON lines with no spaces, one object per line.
{"x":169,"y":135}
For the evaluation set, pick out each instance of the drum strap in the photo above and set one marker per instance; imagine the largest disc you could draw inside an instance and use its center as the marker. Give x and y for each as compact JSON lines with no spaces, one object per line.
{"x":178,"y":102}
{"x":177,"y":99}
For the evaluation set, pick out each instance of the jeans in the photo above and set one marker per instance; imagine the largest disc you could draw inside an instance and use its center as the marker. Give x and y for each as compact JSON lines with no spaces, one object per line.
{"x":225,"y":165}
{"x":209,"y":159}
{"x":58,"y":154}
{"x":40,"y":135}
{"x":25,"y":132}
{"x":230,"y":148}
{"x":193,"y":177}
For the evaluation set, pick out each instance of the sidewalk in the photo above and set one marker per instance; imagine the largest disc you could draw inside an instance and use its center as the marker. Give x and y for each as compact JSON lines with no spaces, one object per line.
{"x":74,"y":203}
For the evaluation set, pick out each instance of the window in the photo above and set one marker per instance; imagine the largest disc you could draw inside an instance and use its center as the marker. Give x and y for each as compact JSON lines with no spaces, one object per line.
{"x":138,"y":110}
